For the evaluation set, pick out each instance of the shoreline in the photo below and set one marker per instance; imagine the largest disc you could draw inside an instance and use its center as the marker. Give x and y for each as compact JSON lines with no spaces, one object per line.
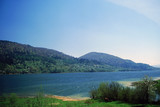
{"x":3,"y":72}
{"x":76,"y":98}
{"x":67,"y":98}
{"x":129,"y":83}
{"x":63,"y":98}
{"x":156,"y":78}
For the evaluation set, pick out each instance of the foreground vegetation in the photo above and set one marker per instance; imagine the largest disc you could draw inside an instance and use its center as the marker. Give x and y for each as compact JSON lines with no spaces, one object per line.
{"x":40,"y":101}
{"x":146,"y":91}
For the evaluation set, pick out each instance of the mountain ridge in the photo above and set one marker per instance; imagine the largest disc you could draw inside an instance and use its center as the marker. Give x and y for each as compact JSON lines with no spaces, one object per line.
{"x":114,"y":60}
{"x":22,"y":58}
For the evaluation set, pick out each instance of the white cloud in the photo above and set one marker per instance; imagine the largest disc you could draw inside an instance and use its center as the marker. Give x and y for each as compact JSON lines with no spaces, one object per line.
{"x":149,"y":8}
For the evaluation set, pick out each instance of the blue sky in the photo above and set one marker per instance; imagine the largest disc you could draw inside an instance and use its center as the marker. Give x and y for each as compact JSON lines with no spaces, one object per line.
{"x":129,"y":29}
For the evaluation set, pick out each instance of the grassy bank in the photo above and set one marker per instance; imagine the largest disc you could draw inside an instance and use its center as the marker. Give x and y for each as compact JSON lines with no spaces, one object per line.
{"x":40,"y":101}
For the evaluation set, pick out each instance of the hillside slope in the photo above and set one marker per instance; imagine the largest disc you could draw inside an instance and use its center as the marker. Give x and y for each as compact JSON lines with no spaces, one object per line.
{"x":115,"y":61}
{"x":20,"y":58}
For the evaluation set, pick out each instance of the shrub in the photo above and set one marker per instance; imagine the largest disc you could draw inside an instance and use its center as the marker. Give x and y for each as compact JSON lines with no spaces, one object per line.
{"x":107,"y":91}
{"x":158,"y":90}
{"x":3,"y":98}
{"x":13,"y":98}
{"x":143,"y":92}
{"x":94,"y":94}
{"x":125,"y":94}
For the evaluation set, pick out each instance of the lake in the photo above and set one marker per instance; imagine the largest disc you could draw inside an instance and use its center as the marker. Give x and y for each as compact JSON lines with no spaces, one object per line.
{"x":75,"y":85}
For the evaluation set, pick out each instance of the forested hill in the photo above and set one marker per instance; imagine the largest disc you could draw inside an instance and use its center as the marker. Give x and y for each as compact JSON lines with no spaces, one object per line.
{"x":115,"y":61}
{"x":20,"y":58}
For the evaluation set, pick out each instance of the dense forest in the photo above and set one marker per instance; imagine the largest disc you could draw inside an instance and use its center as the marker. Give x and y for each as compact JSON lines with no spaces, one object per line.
{"x":18,"y":58}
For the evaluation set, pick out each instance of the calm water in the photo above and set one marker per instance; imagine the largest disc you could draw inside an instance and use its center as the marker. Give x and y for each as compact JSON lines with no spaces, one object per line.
{"x":67,"y":84}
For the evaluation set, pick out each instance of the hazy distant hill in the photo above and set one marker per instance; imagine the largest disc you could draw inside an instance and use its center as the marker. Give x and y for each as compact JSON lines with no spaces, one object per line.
{"x":115,"y":61}
{"x":20,"y":58}
{"x":157,"y":66}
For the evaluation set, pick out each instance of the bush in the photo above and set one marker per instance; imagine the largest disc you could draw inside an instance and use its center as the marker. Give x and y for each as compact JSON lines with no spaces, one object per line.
{"x":107,"y":91}
{"x":158,"y":90}
{"x":3,"y":98}
{"x":125,"y":94}
{"x":13,"y":98}
{"x":94,"y":94}
{"x":143,"y":92}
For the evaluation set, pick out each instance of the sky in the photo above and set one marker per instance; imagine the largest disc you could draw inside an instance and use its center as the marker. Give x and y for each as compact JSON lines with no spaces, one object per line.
{"x":129,"y":29}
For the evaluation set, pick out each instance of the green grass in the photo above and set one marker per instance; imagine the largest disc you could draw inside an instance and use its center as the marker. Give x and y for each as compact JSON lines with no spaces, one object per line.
{"x":15,"y":101}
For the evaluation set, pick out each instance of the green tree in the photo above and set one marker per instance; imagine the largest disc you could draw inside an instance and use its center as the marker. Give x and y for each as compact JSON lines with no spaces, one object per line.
{"x":145,"y":90}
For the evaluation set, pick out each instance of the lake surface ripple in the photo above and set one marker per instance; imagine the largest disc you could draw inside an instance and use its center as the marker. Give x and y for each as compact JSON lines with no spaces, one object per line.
{"x":75,"y":85}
